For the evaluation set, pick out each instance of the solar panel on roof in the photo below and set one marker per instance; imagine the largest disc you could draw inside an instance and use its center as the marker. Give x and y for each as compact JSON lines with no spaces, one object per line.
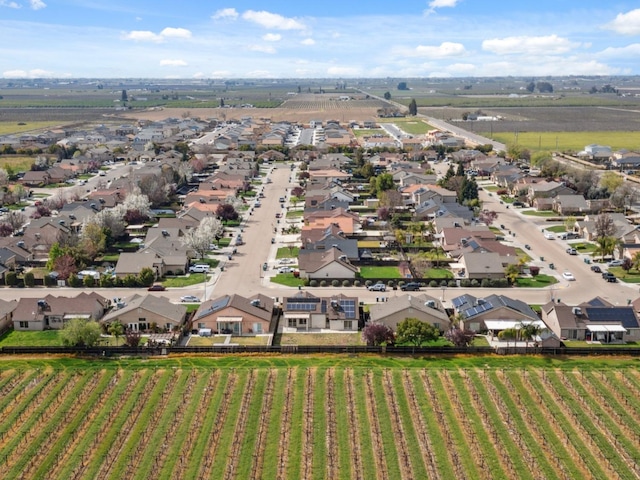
{"x":458,"y":301}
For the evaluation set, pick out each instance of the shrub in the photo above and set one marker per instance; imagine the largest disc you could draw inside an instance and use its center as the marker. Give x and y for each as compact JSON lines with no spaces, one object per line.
{"x":433,"y":283}
{"x":356,"y":283}
{"x":444,"y":283}
{"x":368,"y":283}
{"x":400,"y":283}
{"x":49,"y":281}
{"x":485,"y":283}
{"x":106,"y":281}
{"x":146,"y":277}
{"x":475,"y":283}
{"x":130,"y":280}
{"x":391,"y":283}
{"x":465,"y":282}
{"x":74,"y":281}
{"x":452,"y":283}
{"x":11,"y":279}
{"x":313,"y":283}
{"x":346,"y":283}
{"x":179,"y":272}
{"x":29,"y":279}
{"x":323,"y":283}
{"x":89,"y":281}
{"x":335,"y":283}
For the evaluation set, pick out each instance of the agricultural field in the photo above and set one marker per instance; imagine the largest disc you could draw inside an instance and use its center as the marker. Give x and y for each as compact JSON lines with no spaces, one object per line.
{"x":342,"y":418}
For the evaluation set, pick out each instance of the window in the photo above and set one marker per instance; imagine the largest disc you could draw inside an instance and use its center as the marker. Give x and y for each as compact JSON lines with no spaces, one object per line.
{"x":201,"y":325}
{"x":293,"y":323}
{"x":348,"y":324}
{"x":437,"y":325}
{"x":257,"y":327}
{"x":302,"y":322}
{"x":24,"y":324}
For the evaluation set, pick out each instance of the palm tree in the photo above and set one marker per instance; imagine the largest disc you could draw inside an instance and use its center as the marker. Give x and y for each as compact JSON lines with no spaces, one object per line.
{"x":606,"y":246}
{"x":529,"y":331}
{"x":635,"y":261}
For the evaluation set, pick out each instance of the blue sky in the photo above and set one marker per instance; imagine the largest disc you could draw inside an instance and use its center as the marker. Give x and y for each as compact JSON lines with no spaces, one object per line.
{"x":317,"y":39}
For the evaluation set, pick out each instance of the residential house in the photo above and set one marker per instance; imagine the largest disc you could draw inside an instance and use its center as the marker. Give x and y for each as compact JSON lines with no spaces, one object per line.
{"x":421,"y":306}
{"x":53,"y":312}
{"x":475,"y":312}
{"x":237,"y":315}
{"x":144,"y":313}
{"x":546,"y":189}
{"x":596,"y":320}
{"x":481,"y":265}
{"x":6,"y":310}
{"x":131,"y":263}
{"x":325,"y":264}
{"x":306,"y":312}
{"x":570,"y":205}
{"x":327,"y":238}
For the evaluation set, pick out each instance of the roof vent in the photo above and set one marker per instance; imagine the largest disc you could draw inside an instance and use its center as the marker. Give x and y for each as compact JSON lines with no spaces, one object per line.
{"x":577,"y":311}
{"x":430,"y":304}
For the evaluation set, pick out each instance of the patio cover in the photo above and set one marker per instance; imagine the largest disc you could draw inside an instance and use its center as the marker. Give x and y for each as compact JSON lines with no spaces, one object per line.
{"x":606,"y":328}
{"x":504,"y":324}
{"x":229,"y":319}
{"x":297,"y":315}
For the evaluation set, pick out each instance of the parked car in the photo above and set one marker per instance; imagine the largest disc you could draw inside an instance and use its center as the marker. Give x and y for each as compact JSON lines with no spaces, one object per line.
{"x":410,"y":287}
{"x":527,"y":246}
{"x":156,"y":288}
{"x":609,"y":277}
{"x":518,"y":204}
{"x":190,"y":299}
{"x":572,"y":251}
{"x":377,"y":287}
{"x":549,"y":236}
{"x":568,"y":276}
{"x":596,"y":268}
{"x":200,"y":268}
{"x":615,"y":263}
{"x":285,"y":270}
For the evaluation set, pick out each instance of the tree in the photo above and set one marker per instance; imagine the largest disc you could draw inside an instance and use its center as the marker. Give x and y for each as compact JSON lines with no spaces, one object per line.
{"x":226,"y":211}
{"x":79,"y":332}
{"x":198,"y":239}
{"x":570,"y":223}
{"x":416,"y":332}
{"x":5,"y":229}
{"x":604,"y":226}
{"x":93,"y":240}
{"x":297,"y":192}
{"x":375,"y":333}
{"x":459,"y":337}
{"x":381,"y":183}
{"x":146,"y":277}
{"x":512,"y":272}
{"x":488,"y":217}
{"x":611,"y":181}
{"x":124,"y":97}
{"x":530,"y":87}
{"x":132,"y":337}
{"x":402,"y":86}
{"x":413,"y":107}
{"x":29,"y":279}
{"x":116,"y":329}
{"x":529,"y":331}
{"x":65,"y":266}
{"x":605,"y":246}
{"x":387,"y":96}
{"x":544,"y":87}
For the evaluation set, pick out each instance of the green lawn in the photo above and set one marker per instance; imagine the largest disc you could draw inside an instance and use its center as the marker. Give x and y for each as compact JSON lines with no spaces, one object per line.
{"x":287,"y":252}
{"x":15,"y":338}
{"x":581,"y":344}
{"x":438,"y":273}
{"x":538,"y":281}
{"x":295,"y":214}
{"x":492,"y":188}
{"x":412,"y":125}
{"x":7,"y":128}
{"x":379,"y":272}
{"x":632,"y":276}
{"x":318,"y":339}
{"x":557,"y":229}
{"x":287,"y":279}
{"x":187,"y":280}
{"x":224,"y":242}
{"x":536,"y":213}
{"x":569,"y":141}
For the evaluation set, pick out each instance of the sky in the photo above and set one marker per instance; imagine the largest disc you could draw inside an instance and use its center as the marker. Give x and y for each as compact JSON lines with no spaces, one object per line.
{"x":210,"y":39}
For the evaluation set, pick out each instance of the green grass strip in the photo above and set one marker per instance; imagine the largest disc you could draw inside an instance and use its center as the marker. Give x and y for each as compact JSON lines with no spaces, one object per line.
{"x":9,"y":397}
{"x":275,"y":416}
{"x":318,"y":469}
{"x":366,"y":442}
{"x":169,"y":410}
{"x":211,"y":417}
{"x":388,"y":435}
{"x":250,"y":436}
{"x":69,"y":430}
{"x":408,"y":426}
{"x":442,"y":459}
{"x":229,"y":428}
{"x":344,"y":447}
{"x":113,"y":413}
{"x":294,"y":455}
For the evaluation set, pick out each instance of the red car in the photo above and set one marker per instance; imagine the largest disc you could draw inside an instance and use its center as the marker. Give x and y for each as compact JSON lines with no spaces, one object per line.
{"x":156,"y":288}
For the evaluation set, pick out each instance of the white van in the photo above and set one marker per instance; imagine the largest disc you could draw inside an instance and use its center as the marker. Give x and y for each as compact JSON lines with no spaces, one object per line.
{"x":199,"y":268}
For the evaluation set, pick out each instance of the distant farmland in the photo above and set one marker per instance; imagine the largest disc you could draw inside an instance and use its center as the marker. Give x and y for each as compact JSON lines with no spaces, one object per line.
{"x":569,"y":141}
{"x":208,"y":419}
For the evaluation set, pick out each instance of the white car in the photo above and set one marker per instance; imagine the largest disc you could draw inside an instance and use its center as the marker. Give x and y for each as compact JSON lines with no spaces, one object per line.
{"x":549,"y":236}
{"x":285,"y":270}
{"x":377,"y":287}
{"x":190,"y":299}
{"x":568,"y":276}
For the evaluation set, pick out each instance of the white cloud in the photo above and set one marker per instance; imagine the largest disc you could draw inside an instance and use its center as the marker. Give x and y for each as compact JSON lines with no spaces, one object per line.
{"x":272,"y":37}
{"x":433,"y":4}
{"x":546,"y":45}
{"x":37,"y":4}
{"x":260,"y":74}
{"x":632,"y":50}
{"x":445,"y":49}
{"x":5,"y":3}
{"x":262,"y":48}
{"x":35,"y":73}
{"x":343,"y":72}
{"x":167,"y":33}
{"x":626,"y":23}
{"x":272,"y":20}
{"x":221,"y":74}
{"x":171,"y":32}
{"x":173,"y":63}
{"x":225,"y":13}
{"x":308,"y":41}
